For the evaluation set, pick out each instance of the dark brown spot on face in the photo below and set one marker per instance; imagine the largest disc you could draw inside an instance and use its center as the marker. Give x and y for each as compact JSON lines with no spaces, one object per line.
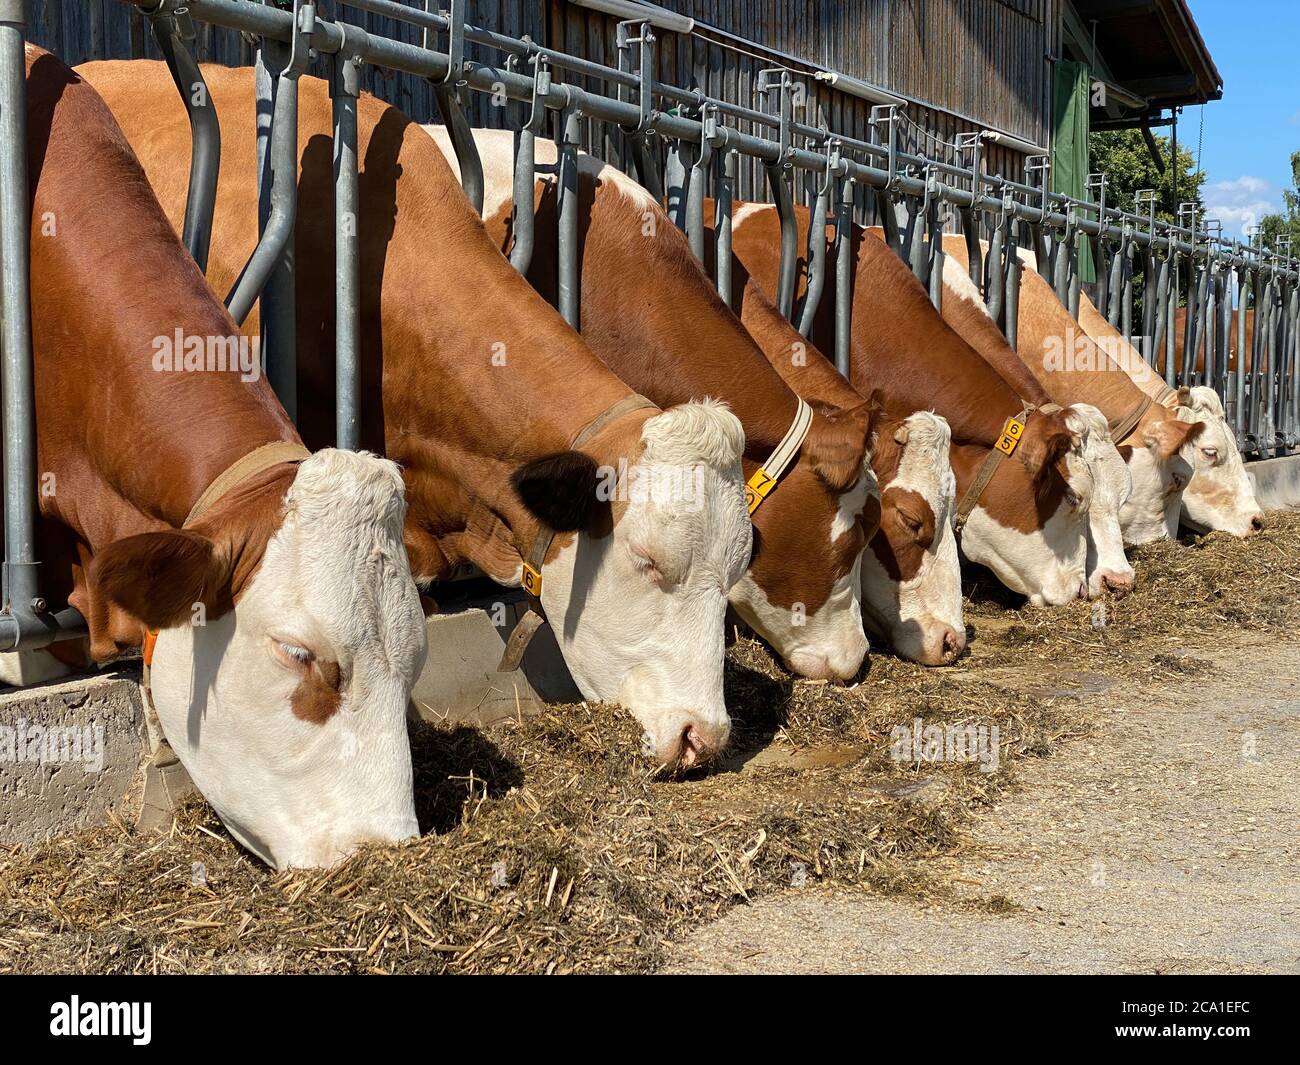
{"x":318,"y":694}
{"x":906,"y":533}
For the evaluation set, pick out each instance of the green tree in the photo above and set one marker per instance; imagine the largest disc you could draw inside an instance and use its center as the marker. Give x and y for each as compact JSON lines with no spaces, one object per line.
{"x":1287,"y":222}
{"x":1122,"y":155}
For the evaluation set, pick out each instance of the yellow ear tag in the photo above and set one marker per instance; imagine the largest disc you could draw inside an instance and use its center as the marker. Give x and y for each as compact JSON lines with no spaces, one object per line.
{"x":532,"y":581}
{"x":758,"y":488}
{"x":1010,"y":438}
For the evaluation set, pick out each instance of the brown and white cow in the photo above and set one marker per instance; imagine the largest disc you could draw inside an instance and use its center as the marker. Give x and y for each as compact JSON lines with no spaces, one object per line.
{"x":650,"y":312}
{"x":1220,"y":496}
{"x":911,"y":576}
{"x":1029,"y":523}
{"x":484,"y":388}
{"x":963,"y":308}
{"x":291,"y":627}
{"x":1161,"y":451}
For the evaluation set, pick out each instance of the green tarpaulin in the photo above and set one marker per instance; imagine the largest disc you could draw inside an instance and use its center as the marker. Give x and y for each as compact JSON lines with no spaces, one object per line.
{"x":1071,"y":87}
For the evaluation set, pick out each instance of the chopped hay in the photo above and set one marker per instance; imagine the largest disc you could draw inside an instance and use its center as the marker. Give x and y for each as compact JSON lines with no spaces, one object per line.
{"x":550,"y":846}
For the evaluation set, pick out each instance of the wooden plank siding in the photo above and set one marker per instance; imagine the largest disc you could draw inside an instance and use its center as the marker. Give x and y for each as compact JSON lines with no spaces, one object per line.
{"x":957,"y":59}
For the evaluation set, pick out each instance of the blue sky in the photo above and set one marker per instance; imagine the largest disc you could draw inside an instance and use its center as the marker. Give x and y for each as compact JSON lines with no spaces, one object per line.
{"x":1251,"y":133}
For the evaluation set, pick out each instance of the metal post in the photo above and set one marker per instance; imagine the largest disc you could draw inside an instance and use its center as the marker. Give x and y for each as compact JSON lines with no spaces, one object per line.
{"x":345,"y":87}
{"x":722,"y":223}
{"x":697,"y":187}
{"x":452,"y":109}
{"x":1170,"y":312}
{"x":523,"y":225}
{"x":269,"y":271}
{"x":20,"y":592}
{"x":1159,"y":318}
{"x":568,"y":216}
{"x":1206,"y":375}
{"x":1012,"y":329}
{"x":789,"y":239}
{"x":844,"y":278}
{"x":638,"y":138}
{"x":677,"y":177}
{"x":1244,"y":287}
{"x":780,"y":188}
{"x":172,"y":29}
{"x":817,"y":247}
{"x":1293,"y":358}
{"x":1126,"y":299}
{"x":934,"y":267}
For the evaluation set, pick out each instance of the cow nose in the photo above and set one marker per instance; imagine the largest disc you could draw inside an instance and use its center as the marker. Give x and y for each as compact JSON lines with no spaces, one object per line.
{"x":1256,"y":524}
{"x":699,"y":744}
{"x":954,"y":643}
{"x":1118,"y":583}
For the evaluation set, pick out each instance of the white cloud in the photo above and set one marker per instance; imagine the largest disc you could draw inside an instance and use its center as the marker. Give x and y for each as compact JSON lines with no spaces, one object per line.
{"x":1241,"y":203}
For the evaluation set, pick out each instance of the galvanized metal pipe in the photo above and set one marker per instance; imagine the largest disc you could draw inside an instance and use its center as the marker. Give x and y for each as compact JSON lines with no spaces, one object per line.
{"x":844,"y":279}
{"x":172,"y":28}
{"x":697,"y":187}
{"x":787,"y":271}
{"x":20,"y":588}
{"x":996,"y":286}
{"x":26,"y":620}
{"x":345,"y":87}
{"x":1126,"y":302}
{"x":1244,"y":287}
{"x":816,"y":257}
{"x":568,"y":218}
{"x":1012,"y":329}
{"x":974,"y":253}
{"x":677,"y":178}
{"x":722,"y":208}
{"x":462,"y":142}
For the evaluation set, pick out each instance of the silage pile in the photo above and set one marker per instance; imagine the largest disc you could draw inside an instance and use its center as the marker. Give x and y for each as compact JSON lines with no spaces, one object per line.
{"x":550,"y":846}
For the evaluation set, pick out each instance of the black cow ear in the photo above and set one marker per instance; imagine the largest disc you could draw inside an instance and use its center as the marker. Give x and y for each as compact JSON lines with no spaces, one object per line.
{"x":559,"y":490}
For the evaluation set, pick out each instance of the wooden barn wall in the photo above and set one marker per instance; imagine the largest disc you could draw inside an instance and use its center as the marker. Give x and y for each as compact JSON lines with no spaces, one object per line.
{"x":978,"y":58}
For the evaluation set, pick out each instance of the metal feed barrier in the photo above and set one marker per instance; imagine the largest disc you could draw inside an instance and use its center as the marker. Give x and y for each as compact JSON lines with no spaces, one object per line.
{"x":912,"y":195}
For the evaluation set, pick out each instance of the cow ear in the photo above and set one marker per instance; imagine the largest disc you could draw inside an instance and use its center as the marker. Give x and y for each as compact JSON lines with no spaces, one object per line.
{"x":158,"y":577}
{"x":1048,"y":438}
{"x":1166,"y":438}
{"x":559,"y":490}
{"x":838,"y":443}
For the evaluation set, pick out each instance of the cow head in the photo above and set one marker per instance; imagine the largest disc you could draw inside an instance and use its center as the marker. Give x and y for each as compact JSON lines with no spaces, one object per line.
{"x":1109,"y":570}
{"x":809,"y":535}
{"x":1030,"y":525}
{"x":911,"y":577}
{"x":638,"y":608}
{"x":1220,"y":495}
{"x":291,"y":637}
{"x":1161,"y":458}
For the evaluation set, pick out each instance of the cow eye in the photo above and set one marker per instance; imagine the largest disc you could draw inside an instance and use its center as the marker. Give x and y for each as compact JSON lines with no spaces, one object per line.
{"x":910,"y":522}
{"x":1211,"y":453}
{"x":291,"y":655}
